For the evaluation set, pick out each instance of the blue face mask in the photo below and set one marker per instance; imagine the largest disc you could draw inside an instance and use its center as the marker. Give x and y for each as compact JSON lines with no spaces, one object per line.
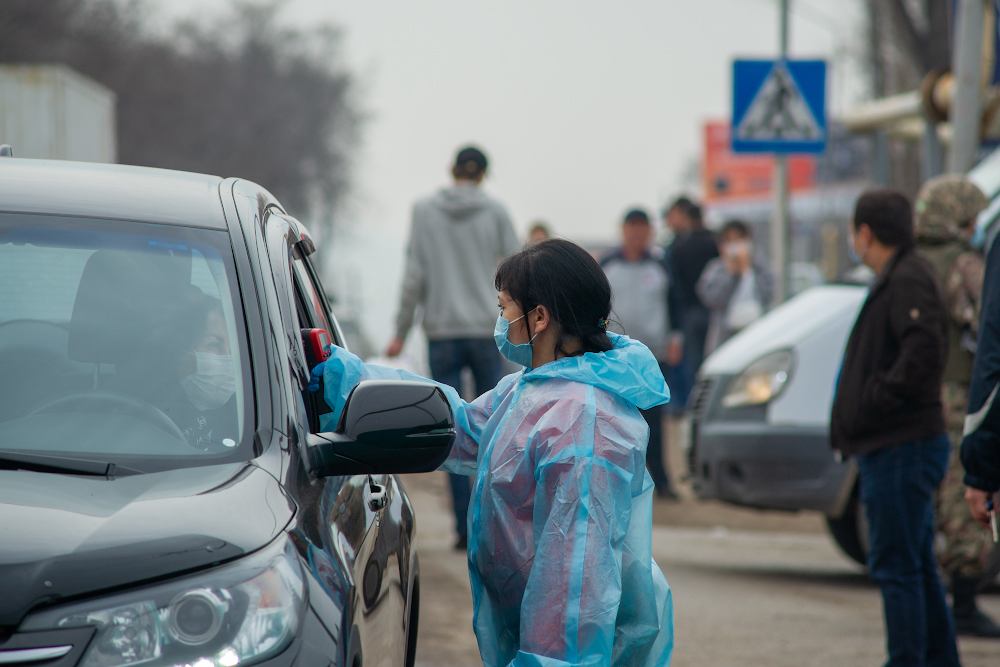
{"x":519,"y":354}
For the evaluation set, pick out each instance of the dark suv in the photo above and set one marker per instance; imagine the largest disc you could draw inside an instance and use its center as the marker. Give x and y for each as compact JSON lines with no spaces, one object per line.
{"x":165,"y":495}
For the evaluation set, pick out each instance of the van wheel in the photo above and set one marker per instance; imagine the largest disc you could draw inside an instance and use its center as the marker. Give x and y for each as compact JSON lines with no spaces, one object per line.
{"x":850,"y":531}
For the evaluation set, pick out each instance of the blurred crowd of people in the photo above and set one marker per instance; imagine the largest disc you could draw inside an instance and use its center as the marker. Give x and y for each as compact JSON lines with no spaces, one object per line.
{"x":915,"y":377}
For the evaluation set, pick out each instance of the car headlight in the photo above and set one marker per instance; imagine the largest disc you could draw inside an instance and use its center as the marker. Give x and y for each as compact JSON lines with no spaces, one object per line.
{"x":233,"y":615}
{"x":762,"y":381}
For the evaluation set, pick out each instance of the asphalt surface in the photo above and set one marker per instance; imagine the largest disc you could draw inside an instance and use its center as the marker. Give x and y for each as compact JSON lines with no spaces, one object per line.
{"x":745,"y":593}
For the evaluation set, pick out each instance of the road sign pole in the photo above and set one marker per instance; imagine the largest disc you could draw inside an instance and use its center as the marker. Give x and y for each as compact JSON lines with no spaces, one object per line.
{"x":779,"y":220}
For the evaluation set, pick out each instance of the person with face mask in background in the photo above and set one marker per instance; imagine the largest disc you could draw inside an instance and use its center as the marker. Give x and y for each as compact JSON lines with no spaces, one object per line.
{"x":887,"y":413}
{"x":560,"y":532}
{"x":737,"y":287}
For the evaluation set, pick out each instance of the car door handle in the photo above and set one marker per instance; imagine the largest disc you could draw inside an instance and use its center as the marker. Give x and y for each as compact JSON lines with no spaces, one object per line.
{"x":378,"y":495}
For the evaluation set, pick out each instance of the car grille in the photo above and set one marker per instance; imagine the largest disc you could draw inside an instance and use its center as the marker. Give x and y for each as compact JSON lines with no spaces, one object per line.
{"x":700,"y":396}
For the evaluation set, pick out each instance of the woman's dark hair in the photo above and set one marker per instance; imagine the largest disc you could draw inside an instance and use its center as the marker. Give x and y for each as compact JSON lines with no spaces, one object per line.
{"x":888,"y":214}
{"x":569,"y":282}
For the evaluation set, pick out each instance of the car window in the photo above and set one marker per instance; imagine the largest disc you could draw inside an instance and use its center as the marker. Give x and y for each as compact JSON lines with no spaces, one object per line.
{"x":312,"y":301}
{"x":119,"y":340}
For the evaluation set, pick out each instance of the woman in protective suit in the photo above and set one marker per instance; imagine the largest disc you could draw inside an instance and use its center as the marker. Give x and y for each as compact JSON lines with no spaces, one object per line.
{"x":560,"y":528}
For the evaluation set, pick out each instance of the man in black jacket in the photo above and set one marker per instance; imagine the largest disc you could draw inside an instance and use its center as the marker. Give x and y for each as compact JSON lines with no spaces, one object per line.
{"x":692,"y":248}
{"x":888,"y":413}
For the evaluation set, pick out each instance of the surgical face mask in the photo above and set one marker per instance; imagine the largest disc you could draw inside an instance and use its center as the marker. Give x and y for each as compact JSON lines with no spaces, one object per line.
{"x":520,"y":353}
{"x":213,"y":383}
{"x":735,"y":248}
{"x":852,"y":253}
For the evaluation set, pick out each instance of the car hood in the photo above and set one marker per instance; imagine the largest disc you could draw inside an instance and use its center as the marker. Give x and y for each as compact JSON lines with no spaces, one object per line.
{"x":64,"y":536}
{"x":785,"y":327}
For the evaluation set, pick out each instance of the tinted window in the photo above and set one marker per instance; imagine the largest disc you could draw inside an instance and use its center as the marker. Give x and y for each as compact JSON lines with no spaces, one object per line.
{"x":120,"y":341}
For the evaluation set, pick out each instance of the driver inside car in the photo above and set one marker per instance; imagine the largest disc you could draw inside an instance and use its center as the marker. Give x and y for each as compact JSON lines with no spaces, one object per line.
{"x":199,"y":395}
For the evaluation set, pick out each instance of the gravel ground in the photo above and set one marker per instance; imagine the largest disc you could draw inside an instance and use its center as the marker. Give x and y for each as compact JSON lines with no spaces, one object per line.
{"x":750,"y":588}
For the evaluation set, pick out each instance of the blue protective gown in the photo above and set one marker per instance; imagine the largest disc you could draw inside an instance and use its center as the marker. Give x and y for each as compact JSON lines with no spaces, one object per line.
{"x":561,"y":523}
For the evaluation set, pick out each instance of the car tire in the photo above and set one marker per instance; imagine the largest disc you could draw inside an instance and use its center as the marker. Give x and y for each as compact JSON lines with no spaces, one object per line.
{"x":412,"y":627}
{"x":850,"y":530}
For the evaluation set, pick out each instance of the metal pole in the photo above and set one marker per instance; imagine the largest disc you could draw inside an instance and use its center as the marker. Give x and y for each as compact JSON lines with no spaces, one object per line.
{"x":967,"y":103}
{"x":779,"y":222}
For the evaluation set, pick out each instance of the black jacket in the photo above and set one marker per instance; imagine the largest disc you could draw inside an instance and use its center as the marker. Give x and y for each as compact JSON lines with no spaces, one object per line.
{"x":981,"y":445}
{"x":889,"y":390}
{"x":688,"y":255}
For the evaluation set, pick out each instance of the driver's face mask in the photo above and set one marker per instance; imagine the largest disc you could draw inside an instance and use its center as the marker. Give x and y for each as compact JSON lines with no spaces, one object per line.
{"x":213,"y":383}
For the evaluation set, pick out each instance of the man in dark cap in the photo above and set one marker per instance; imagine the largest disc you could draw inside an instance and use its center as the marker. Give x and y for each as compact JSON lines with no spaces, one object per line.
{"x":640,"y":284}
{"x":457,"y":237}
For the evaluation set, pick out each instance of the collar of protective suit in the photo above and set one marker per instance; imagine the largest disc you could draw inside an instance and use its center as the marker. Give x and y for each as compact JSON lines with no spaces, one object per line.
{"x":629,"y":370}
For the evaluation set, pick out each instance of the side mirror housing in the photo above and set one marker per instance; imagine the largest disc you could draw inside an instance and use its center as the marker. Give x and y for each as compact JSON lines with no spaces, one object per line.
{"x":387,"y":427}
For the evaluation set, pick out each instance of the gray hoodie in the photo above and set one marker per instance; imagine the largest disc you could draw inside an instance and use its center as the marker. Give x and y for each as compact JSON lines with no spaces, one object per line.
{"x":457,"y":238}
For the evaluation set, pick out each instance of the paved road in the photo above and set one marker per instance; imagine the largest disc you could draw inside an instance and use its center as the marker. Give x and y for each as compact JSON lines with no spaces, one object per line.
{"x":742,"y":597}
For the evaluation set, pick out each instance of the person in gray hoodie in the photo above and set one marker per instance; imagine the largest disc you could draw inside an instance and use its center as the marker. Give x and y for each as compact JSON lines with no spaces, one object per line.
{"x":458,"y":236}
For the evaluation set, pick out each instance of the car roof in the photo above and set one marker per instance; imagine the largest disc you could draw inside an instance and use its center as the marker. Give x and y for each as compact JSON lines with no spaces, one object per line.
{"x":114,"y":191}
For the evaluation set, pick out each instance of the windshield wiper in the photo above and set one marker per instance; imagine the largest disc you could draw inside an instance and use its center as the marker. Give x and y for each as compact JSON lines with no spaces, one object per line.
{"x":60,"y":464}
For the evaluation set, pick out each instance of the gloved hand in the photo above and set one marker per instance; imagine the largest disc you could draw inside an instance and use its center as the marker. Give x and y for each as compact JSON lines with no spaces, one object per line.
{"x":316,"y":377}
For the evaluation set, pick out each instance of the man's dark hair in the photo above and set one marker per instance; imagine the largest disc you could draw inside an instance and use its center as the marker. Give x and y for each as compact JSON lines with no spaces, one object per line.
{"x":888,"y":214}
{"x":688,"y":208}
{"x":568,"y":281}
{"x":470,"y":163}
{"x":637,"y":215}
{"x":738,"y":226}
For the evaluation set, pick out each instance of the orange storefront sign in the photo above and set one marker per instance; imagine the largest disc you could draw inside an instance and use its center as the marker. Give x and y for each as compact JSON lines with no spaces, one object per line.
{"x":726,"y":175}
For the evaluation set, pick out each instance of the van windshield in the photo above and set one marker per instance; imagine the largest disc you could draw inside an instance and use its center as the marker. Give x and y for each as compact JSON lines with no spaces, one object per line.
{"x":120,"y":342}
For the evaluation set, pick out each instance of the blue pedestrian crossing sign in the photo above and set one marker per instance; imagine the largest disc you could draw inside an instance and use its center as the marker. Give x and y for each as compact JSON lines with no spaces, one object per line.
{"x":779,"y":106}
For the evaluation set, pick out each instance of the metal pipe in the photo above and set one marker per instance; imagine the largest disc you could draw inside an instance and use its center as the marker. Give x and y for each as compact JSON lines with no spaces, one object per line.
{"x":967,"y":102}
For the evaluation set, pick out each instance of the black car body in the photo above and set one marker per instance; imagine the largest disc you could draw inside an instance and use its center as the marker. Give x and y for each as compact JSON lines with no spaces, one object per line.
{"x":237,"y":534}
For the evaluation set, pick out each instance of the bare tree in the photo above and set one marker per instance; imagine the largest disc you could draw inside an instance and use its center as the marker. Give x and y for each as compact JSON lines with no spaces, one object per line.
{"x":240,"y":97}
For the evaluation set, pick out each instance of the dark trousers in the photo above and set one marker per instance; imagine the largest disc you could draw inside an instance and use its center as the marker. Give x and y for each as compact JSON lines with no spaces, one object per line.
{"x":657,"y":442}
{"x":897,"y":488}
{"x":694,"y":324}
{"x":447,"y":358}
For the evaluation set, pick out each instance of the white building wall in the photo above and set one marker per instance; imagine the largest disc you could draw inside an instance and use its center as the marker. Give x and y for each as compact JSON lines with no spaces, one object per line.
{"x":51,"y":112}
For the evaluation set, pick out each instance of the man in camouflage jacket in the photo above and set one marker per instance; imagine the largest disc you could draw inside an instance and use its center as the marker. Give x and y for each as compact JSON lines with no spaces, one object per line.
{"x":945,"y":213}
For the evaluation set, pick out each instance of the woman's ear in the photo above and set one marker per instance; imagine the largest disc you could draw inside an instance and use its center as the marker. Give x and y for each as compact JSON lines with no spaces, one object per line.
{"x":543,"y":319}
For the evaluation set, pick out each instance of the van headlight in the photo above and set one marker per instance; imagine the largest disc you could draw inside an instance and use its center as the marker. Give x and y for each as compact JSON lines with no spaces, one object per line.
{"x":233,"y":615}
{"x":762,"y":381}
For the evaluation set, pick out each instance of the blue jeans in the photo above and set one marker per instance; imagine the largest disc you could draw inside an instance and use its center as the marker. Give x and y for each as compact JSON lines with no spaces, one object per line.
{"x":897,"y":488}
{"x":447,"y":358}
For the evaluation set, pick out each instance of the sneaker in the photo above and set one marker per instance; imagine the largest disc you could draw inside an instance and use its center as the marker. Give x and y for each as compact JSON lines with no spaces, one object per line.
{"x":976,"y":624}
{"x":462,"y":544}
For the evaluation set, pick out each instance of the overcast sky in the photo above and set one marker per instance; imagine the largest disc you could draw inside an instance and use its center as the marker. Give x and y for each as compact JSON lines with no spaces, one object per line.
{"x":584,"y":107}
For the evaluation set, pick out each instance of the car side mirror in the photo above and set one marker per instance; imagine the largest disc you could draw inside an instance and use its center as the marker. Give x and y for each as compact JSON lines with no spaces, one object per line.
{"x":387,"y":427}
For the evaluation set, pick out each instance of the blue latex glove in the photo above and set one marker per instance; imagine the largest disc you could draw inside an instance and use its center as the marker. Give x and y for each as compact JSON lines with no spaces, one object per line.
{"x":316,"y":376}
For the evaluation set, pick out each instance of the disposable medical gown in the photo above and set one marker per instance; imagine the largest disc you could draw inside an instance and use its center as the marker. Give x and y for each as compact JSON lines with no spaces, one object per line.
{"x":560,"y":528}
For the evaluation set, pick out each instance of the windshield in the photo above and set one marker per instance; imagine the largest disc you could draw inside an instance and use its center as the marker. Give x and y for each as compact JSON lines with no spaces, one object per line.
{"x":120,"y":342}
